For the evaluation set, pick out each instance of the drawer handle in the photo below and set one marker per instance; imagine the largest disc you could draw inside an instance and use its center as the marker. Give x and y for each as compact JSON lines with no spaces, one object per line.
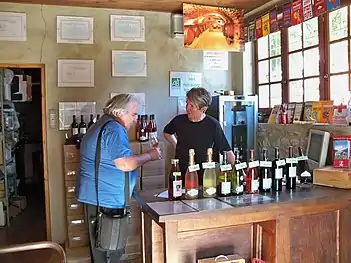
{"x":71,"y":189}
{"x":76,"y":238}
{"x":77,"y":222}
{"x":74,"y":206}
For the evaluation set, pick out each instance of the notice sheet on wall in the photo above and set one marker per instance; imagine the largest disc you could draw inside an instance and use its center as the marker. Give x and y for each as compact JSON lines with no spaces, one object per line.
{"x":68,"y":109}
{"x":181,"y":82}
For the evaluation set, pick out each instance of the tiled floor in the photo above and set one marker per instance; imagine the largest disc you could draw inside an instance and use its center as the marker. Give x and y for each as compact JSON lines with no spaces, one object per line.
{"x":28,"y":226}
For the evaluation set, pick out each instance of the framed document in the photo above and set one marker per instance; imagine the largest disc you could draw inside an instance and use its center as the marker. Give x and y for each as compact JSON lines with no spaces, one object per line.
{"x":13,"y":26}
{"x":74,"y":29}
{"x":127,"y":28}
{"x":75,"y":73}
{"x":129,"y":63}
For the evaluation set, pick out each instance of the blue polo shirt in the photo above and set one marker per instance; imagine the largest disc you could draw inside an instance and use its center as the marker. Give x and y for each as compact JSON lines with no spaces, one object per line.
{"x":114,"y":145}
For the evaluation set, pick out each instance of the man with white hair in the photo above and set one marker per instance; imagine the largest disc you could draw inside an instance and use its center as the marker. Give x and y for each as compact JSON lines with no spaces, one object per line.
{"x":116,"y":158}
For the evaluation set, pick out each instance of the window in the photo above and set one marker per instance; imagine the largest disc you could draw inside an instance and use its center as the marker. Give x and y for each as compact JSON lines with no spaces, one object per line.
{"x":339,"y":55}
{"x":303,"y":60}
{"x":269,"y":67}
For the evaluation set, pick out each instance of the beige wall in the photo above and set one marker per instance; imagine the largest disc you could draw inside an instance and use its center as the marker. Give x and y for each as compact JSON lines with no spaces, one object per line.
{"x":163,"y":54}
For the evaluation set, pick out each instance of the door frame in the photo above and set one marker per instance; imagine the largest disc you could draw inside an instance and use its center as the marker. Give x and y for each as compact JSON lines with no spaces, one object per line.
{"x":44,"y":137}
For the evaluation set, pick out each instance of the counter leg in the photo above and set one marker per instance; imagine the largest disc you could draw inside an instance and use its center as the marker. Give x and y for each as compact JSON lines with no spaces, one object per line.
{"x":283,"y":240}
{"x":171,"y":242}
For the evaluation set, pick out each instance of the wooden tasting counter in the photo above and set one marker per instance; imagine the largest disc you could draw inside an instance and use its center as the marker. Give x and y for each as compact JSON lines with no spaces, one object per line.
{"x":305,"y":226}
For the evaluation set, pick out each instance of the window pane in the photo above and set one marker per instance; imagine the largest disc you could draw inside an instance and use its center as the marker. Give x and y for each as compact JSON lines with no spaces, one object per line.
{"x":311,"y":62}
{"x":338,"y":24}
{"x":296,"y":91}
{"x":263,"y":96}
{"x":263,"y":71}
{"x":311,"y":89}
{"x":339,"y":57}
{"x":310,"y":32}
{"x":276,"y":94}
{"x":339,"y":89}
{"x":295,"y":65}
{"x":295,"y":37}
{"x":275,"y":44}
{"x":275,"y":65}
{"x":262,"y":48}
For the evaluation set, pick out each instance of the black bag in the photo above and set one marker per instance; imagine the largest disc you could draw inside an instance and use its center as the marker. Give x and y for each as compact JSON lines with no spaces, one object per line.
{"x":111,"y":224}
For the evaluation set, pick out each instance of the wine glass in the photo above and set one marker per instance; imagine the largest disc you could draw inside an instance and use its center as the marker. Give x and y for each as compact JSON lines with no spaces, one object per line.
{"x":153,"y":140}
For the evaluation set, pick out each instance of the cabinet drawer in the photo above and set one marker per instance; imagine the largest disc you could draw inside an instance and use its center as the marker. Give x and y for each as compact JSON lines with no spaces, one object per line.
{"x":70,"y":187}
{"x":78,"y":239}
{"x":76,"y":223}
{"x":71,"y":170}
{"x":73,"y":207}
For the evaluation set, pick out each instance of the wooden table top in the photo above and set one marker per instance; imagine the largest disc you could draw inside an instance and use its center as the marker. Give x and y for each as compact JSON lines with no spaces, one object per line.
{"x":163,"y":210}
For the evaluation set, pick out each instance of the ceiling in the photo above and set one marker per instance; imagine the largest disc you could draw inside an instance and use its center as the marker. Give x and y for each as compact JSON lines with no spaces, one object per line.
{"x":173,"y":6}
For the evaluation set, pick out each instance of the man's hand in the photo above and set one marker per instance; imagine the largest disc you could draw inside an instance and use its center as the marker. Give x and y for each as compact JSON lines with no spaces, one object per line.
{"x":155,"y":153}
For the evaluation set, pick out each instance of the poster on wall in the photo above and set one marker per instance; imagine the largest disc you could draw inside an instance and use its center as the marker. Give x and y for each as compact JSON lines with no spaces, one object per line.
{"x":287,"y":16}
{"x":296,"y":13}
{"x":266,"y":30}
{"x":181,"y":82}
{"x":333,"y":4}
{"x":273,"y":19}
{"x":320,"y":7}
{"x":213,"y":28}
{"x":307,"y":10}
{"x":13,"y":26}
{"x":259,"y":32}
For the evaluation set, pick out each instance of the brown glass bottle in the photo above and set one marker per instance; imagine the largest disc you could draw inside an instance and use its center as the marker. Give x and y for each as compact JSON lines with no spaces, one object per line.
{"x":142,"y":129}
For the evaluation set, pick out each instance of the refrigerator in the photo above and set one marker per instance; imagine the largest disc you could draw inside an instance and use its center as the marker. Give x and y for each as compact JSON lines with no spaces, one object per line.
{"x":237,"y":116}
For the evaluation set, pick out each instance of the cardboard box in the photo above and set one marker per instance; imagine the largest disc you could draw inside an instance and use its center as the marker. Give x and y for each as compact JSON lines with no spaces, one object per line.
{"x":223,"y":259}
{"x":19,"y":201}
{"x":153,"y":168}
{"x":332,"y":177}
{"x":135,"y":146}
{"x":153,"y":182}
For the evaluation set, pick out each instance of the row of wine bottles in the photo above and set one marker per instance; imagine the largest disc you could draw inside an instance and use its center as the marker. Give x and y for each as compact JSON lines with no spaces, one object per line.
{"x":252,"y":177}
{"x":82,"y":127}
{"x":145,"y":128}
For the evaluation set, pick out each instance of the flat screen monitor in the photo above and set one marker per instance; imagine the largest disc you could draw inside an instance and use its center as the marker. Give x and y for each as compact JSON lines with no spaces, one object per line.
{"x":317,"y":148}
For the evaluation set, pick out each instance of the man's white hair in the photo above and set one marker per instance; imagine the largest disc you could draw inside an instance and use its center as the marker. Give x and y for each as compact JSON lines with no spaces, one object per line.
{"x":119,"y":104}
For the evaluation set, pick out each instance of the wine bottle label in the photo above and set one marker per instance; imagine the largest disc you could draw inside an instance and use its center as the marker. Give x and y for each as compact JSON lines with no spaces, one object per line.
{"x":177,"y":188}
{"x":74,"y":131}
{"x":176,"y":173}
{"x":291,"y":160}
{"x":211,"y":191}
{"x":305,"y":174}
{"x":254,"y":164}
{"x":226,"y":167}
{"x":225,"y":188}
{"x":302,"y":158}
{"x":280,"y":162}
{"x":267,"y":183}
{"x":208,"y":165}
{"x":83,"y":130}
{"x":278,"y":173}
{"x":267,"y":164}
{"x":193,"y":192}
{"x":193,"y":168}
{"x":239,"y":189}
{"x":254,"y":185}
{"x":292,"y":172}
{"x":240,"y":166}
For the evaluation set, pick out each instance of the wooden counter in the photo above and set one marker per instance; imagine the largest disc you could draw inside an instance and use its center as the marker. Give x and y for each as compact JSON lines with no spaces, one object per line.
{"x":305,"y":226}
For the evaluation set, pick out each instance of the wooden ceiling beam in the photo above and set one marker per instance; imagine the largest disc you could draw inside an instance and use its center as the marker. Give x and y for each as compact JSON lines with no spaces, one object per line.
{"x":172,"y":6}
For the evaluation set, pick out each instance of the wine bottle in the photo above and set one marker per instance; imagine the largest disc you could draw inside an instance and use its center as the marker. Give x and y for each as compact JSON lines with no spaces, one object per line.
{"x":192,"y":178}
{"x":82,"y":129}
{"x":252,"y":182}
{"x":209,"y":178}
{"x":242,"y":155}
{"x":175,"y":181}
{"x":142,"y":129}
{"x":137,"y":128}
{"x":91,"y":122}
{"x":74,"y":126}
{"x":277,"y":175}
{"x":238,"y":176}
{"x":290,"y":170}
{"x":265,"y":177}
{"x":225,"y":177}
{"x":303,"y":169}
{"x":97,"y":117}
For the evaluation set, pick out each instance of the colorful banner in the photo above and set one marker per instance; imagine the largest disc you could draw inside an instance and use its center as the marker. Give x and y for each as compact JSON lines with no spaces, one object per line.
{"x":307,"y":10}
{"x":320,"y":7}
{"x":296,"y":13}
{"x":273,"y":19}
{"x":266,"y":30}
{"x":332,"y":4}
{"x":287,"y":16}
{"x":252,"y":27}
{"x":259,"y":32}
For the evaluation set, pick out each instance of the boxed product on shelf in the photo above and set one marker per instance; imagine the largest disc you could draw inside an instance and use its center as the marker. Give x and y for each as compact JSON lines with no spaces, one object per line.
{"x":341,"y":151}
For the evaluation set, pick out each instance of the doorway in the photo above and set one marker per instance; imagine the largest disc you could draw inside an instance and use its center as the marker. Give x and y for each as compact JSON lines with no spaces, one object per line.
{"x":28,"y":206}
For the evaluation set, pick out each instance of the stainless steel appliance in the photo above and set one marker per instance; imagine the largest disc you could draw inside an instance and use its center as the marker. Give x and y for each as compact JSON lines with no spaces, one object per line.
{"x":238,"y":117}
